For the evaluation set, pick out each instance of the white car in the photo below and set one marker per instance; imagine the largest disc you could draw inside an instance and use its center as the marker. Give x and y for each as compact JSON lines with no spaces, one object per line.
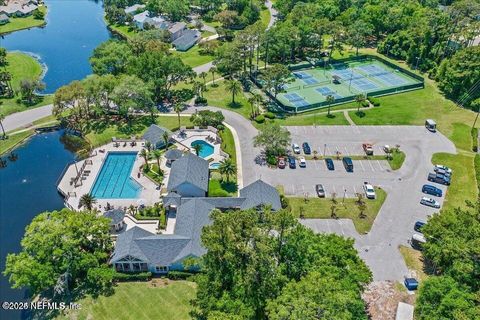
{"x":387,"y":148}
{"x":369,"y":191}
{"x":296,"y":148}
{"x":430,"y":202}
{"x":302,"y":163}
{"x":441,"y":167}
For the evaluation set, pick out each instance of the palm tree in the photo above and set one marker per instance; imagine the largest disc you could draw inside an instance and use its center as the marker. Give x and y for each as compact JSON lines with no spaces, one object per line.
{"x":234,"y":87}
{"x":362,"y":206}
{"x":148,"y":145}
{"x":144,"y":155}
{"x":252,"y":102}
{"x":203,"y":75}
{"x":178,"y":108}
{"x":87,"y":201}
{"x":330,"y":100}
{"x":166,"y":138}
{"x":359,"y":98}
{"x":197,"y":148}
{"x":213,"y":70}
{"x":2,"y":117}
{"x":157,"y":155}
{"x":227,"y":168}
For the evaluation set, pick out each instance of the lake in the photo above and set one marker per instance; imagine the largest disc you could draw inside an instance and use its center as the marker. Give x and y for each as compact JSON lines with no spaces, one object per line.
{"x":28,"y":187}
{"x":74,"y":28}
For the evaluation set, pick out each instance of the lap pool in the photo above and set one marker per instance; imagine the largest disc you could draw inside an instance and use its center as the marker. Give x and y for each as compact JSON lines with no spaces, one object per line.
{"x":206,"y":148}
{"x":114,"y":181}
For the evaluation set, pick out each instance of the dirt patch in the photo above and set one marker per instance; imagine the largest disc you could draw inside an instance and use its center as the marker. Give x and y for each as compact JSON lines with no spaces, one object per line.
{"x":159,"y":282}
{"x":382,"y":298}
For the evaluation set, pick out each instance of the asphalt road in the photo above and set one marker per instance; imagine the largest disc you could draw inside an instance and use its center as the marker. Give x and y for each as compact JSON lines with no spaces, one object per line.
{"x":25,"y":118}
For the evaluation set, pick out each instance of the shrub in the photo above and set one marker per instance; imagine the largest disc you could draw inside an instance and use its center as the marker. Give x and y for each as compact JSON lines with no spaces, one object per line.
{"x":200,"y":100}
{"x":374,"y":101}
{"x":365,"y":104}
{"x":260,"y":118}
{"x":272,"y":160}
{"x":179,"y":275}
{"x":475,"y":139}
{"x":477,"y":169}
{"x":142,"y":276}
{"x":269,"y":115}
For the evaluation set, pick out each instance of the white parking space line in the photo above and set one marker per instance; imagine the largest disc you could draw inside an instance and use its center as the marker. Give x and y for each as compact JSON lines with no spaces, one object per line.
{"x":315,"y":162}
{"x":354,"y":190}
{"x":303,"y":188}
{"x":334,"y":191}
{"x":380,"y":166}
{"x":361,"y":164}
{"x":381,"y":149}
{"x":370,"y":163}
{"x":346,"y":151}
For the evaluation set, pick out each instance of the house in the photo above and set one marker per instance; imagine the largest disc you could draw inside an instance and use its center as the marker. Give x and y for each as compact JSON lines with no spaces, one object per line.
{"x":134,"y":9}
{"x":19,"y":8}
{"x":154,"y":135}
{"x":176,"y":30}
{"x":159,"y":23}
{"x":141,"y":18}
{"x":139,"y":250}
{"x":172,"y":155}
{"x":4,"y":19}
{"x":189,"y":176}
{"x":116,"y":217}
{"x":187,"y":40}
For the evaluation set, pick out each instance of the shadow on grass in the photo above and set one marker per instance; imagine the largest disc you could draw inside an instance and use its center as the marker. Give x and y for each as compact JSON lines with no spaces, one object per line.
{"x":229,"y":186}
{"x":360,"y":114}
{"x":234,"y":105}
{"x":331,"y":116}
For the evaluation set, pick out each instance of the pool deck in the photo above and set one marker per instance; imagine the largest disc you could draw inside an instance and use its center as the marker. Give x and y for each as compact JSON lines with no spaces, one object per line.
{"x":192,"y":135}
{"x":72,"y":192}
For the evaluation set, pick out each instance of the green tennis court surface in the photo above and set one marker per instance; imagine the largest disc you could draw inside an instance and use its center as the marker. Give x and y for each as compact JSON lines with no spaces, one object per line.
{"x":309,"y":88}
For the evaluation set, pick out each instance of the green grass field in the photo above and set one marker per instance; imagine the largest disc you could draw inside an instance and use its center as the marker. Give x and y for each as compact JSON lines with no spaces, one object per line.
{"x":193,"y":58}
{"x":14,"y":140}
{"x":22,"y":66}
{"x":122,"y":30}
{"x":320,"y":208}
{"x":16,"y":24}
{"x":139,"y":300}
{"x":220,"y":97}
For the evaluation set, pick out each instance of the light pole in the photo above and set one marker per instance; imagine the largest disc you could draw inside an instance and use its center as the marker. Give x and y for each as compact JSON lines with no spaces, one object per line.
{"x":388,"y":48}
{"x":324,"y":149}
{"x":344,"y":195}
{"x":416,"y":65}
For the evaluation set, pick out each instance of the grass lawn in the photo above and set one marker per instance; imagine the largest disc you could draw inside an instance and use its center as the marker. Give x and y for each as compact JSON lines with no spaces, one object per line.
{"x":139,"y":300}
{"x":16,"y":24}
{"x":414,"y":261}
{"x":154,"y":175}
{"x":320,"y":208}
{"x":463,"y":185}
{"x":265,"y":17}
{"x":193,"y":58}
{"x":220,"y":97}
{"x":221,"y":188}
{"x":22,"y":66}
{"x":13,"y":140}
{"x":122,"y":30}
{"x":336,"y":118}
{"x":103,"y":133}
{"x":228,"y":144}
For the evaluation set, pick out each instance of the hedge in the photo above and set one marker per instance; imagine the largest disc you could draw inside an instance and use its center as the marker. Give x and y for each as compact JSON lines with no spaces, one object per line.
{"x":269,"y":115}
{"x":179,"y":275}
{"x":200,"y":100}
{"x":142,"y":276}
{"x":374,"y":101}
{"x":475,"y":139}
{"x":477,"y":170}
{"x":365,"y":104}
{"x":260,"y":118}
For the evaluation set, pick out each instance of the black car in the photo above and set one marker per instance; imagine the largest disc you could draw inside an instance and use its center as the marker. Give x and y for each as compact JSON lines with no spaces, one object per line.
{"x":306,"y":148}
{"x":418,"y":226}
{"x":348,"y":164}
{"x":291,"y":162}
{"x":330,"y":164}
{"x":439,"y":178}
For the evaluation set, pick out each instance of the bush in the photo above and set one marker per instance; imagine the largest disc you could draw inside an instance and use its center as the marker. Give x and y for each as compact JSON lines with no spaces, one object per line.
{"x":475,"y":139}
{"x":374,"y":101}
{"x":179,"y":275}
{"x":365,"y":104}
{"x":477,"y":169}
{"x":271,"y":160}
{"x":200,"y":100}
{"x":269,"y":115}
{"x":260,"y":118}
{"x":142,"y":276}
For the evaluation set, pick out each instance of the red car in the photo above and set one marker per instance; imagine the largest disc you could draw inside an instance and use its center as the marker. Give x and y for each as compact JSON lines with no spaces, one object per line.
{"x":281,"y":163}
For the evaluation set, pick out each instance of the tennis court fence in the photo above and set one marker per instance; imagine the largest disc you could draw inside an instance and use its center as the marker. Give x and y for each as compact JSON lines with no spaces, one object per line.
{"x":318,"y":84}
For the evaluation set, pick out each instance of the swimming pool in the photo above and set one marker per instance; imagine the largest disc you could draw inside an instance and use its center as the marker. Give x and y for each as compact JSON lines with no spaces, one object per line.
{"x":214,"y":165}
{"x":114,"y":181}
{"x":206,"y":150}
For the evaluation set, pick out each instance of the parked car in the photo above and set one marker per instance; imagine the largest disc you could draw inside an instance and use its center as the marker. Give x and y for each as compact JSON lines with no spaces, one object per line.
{"x":329,"y":163}
{"x":368,"y":148}
{"x":348,"y":164}
{"x":306,"y":148}
{"x":411,"y":284}
{"x":418,"y":226}
{"x":439,"y":178}
{"x":442,"y":167}
{"x":443,"y":172}
{"x":296,"y":148}
{"x":387,"y":148}
{"x":302,"y":163}
{"x":418,"y":240}
{"x":281,"y":162}
{"x":430,"y":202}
{"x":292,"y":162}
{"x":369,"y":191}
{"x":320,"y":190}
{"x":429,"y":189}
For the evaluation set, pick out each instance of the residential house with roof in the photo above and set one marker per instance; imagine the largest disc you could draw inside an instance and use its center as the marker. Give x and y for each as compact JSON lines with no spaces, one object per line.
{"x":19,"y":8}
{"x":4,"y":19}
{"x":136,"y":8}
{"x":188,"y":39}
{"x":139,"y":250}
{"x":141,"y":18}
{"x":154,"y":135}
{"x":189,"y":176}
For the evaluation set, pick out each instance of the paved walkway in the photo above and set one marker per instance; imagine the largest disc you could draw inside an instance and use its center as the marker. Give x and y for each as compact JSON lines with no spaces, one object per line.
{"x":347,"y":116}
{"x":273,"y":13}
{"x":26,"y":118}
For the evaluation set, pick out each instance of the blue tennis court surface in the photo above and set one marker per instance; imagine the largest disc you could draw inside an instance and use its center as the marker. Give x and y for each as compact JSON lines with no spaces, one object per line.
{"x":391,"y":79}
{"x":114,"y":181}
{"x":326,"y":91}
{"x":347,"y":74}
{"x":363,"y":85}
{"x":296,"y":100}
{"x":302,"y":75}
{"x":372,"y":70}
{"x":309,"y":80}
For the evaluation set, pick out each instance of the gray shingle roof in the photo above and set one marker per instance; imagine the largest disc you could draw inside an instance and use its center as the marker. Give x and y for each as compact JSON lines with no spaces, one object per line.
{"x":116,"y":215}
{"x":154,"y":135}
{"x":187,"y":40}
{"x":191,"y":169}
{"x":177,"y":26}
{"x":173,"y":154}
{"x":126,"y":246}
{"x":260,"y":193}
{"x":172,"y":198}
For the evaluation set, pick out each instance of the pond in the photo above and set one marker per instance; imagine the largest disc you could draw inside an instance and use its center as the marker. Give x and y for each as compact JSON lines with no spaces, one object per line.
{"x":74,"y":28}
{"x":28,"y":187}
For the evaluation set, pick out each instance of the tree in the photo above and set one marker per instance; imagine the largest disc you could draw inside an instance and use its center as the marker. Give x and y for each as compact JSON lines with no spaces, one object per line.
{"x":227,"y":168}
{"x":29,"y":87}
{"x":213,"y":70}
{"x":276,"y":76}
{"x":111,"y":57}
{"x":166,"y":139}
{"x":148,"y":146}
{"x":178,"y":107}
{"x":87,"y":201}
{"x":205,"y":118}
{"x":234,"y":87}
{"x":227,"y":60}
{"x":273,"y":138}
{"x":158,"y":155}
{"x":362,"y":206}
{"x":197,"y":148}
{"x":359,"y":99}
{"x":39,"y":15}
{"x":330,"y":99}
{"x":358,"y":33}
{"x":144,"y":155}
{"x":132,"y":94}
{"x":203,"y":75}
{"x":63,"y":244}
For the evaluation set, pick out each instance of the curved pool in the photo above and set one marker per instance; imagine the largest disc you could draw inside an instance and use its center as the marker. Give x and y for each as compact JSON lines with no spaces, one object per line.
{"x":215,"y":165}
{"x":206,"y":149}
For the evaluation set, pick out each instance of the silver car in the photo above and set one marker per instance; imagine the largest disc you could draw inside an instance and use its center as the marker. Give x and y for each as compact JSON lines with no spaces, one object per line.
{"x":320,"y":190}
{"x":430,"y":202}
{"x":296,"y":148}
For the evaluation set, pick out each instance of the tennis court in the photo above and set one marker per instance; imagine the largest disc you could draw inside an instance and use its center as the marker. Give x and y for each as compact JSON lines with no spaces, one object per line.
{"x":309,"y":88}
